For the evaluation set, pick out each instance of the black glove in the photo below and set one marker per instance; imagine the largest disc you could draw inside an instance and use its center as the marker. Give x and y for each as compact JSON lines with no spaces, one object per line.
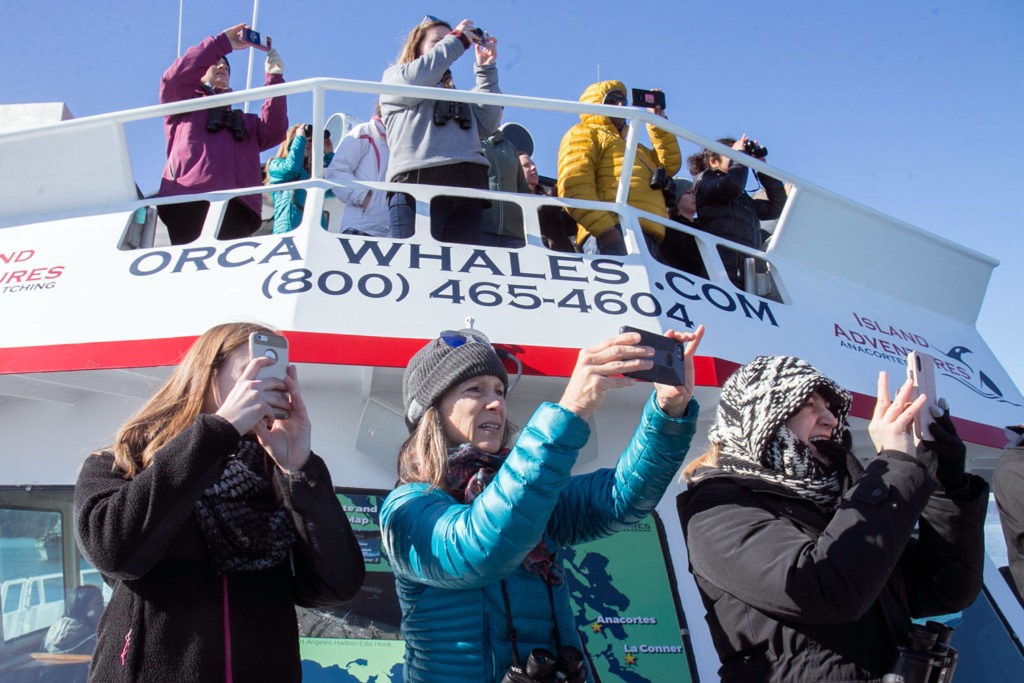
{"x":945,"y":455}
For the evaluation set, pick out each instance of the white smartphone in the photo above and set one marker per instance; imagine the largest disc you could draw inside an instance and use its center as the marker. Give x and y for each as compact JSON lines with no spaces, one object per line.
{"x":275,"y":347}
{"x":921,"y":372}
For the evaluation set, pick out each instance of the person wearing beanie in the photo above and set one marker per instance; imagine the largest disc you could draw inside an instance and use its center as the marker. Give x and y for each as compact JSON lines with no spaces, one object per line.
{"x":474,"y":527}
{"x":805,"y":560}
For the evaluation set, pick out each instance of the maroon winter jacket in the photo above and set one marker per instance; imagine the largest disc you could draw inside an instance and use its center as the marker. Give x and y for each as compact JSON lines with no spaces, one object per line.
{"x":199,"y":160}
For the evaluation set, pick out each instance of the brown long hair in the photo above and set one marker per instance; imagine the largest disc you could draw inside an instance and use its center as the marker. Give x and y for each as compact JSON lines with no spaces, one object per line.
{"x":180,"y":400}
{"x":283,"y":149}
{"x":423,"y":457}
{"x":708,"y":458}
{"x":410,"y":51}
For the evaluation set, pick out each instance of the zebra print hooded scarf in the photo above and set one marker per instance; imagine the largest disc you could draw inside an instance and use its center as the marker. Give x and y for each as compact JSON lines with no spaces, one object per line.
{"x":750,"y":427}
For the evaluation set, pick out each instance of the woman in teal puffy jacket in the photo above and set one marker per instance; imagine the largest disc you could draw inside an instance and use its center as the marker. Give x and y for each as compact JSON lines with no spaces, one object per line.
{"x":292,"y":163}
{"x":473,"y":529}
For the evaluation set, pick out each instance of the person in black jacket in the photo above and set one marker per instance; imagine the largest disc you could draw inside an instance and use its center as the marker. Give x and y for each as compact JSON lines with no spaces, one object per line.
{"x":805,"y":560}
{"x":725,"y":209}
{"x":211,"y":519}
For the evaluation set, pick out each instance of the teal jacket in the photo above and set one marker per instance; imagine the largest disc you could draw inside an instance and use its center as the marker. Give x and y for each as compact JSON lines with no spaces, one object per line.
{"x":288,"y":204}
{"x":449,"y":558}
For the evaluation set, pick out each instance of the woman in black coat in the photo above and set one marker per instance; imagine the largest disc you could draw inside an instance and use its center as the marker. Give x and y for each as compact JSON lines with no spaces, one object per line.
{"x":723,"y":206}
{"x":211,"y":519}
{"x":804,"y":559}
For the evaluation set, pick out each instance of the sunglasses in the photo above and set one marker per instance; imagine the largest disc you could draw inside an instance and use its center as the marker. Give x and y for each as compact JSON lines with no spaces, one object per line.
{"x":431,"y":19}
{"x":456,"y":338}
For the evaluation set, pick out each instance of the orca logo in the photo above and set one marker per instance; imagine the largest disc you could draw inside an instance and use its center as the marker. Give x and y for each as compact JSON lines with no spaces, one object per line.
{"x":978,"y":382}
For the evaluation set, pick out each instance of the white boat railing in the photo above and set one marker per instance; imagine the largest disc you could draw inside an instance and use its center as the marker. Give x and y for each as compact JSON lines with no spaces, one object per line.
{"x":816,"y":228}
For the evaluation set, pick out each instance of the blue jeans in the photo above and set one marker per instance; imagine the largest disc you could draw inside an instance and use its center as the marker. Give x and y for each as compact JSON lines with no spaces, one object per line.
{"x":590,"y":246}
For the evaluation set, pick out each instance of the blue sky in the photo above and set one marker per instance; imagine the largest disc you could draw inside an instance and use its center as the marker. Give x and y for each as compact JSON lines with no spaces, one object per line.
{"x":913,"y":108}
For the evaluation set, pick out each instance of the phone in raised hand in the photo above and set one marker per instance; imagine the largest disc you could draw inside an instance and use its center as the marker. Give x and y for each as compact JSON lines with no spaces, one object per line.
{"x":669,"y":365}
{"x":921,"y":372}
{"x":275,"y":347}
{"x":255,"y":38}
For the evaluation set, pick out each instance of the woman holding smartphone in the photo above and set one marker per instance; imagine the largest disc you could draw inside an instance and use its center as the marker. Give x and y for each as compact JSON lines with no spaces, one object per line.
{"x":474,"y":529}
{"x":437,"y":142}
{"x":804,"y":559}
{"x":211,"y":518}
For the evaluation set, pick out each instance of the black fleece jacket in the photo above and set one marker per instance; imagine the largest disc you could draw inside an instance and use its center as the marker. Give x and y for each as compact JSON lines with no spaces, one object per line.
{"x":171,"y":615}
{"x":796,"y":594}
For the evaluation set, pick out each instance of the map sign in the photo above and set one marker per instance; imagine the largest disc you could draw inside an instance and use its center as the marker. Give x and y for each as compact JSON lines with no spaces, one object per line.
{"x":619,"y":586}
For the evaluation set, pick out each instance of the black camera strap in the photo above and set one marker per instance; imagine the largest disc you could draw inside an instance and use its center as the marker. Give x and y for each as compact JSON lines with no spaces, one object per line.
{"x":513,"y":635}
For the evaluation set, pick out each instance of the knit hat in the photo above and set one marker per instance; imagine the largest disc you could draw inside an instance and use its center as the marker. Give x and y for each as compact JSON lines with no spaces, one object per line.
{"x":437,"y":367}
{"x":750,"y":426}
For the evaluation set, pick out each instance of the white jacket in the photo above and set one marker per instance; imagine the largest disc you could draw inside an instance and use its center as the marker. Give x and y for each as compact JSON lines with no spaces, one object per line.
{"x":362,"y":155}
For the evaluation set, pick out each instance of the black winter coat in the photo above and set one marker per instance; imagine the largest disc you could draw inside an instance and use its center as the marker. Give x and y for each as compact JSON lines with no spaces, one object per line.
{"x":171,"y":616}
{"x":794,"y":594}
{"x":725,"y":209}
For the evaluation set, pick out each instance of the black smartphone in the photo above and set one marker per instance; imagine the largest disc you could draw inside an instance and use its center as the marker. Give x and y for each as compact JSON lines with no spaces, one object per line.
{"x":669,"y":367}
{"x":648,"y":98}
{"x":254,"y":38}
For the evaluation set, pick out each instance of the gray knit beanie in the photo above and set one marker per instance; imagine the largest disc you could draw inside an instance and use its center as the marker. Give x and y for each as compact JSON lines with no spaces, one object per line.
{"x":437,"y":367}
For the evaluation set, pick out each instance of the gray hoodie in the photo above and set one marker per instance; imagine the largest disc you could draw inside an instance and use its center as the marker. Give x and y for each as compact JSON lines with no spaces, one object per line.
{"x":415,"y":140}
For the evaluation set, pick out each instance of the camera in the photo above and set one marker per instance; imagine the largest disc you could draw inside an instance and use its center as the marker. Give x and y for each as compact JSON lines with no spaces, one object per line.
{"x":755,"y":150}
{"x":480,"y":33}
{"x":928,"y":659}
{"x":544,"y":667}
{"x":445,"y":110}
{"x":227,"y":118}
{"x":308,"y":131}
{"x":661,"y":180}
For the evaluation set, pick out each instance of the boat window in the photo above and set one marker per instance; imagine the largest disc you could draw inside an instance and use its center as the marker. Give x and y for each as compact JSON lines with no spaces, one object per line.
{"x":987,"y":650}
{"x":622,"y":595}
{"x":31,"y":570}
{"x":750,"y":273}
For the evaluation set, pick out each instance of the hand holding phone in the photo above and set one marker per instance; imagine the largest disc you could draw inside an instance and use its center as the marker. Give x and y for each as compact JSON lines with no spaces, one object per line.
{"x":649,"y":99}
{"x":275,"y":347}
{"x":255,"y":39}
{"x":921,"y":373}
{"x":669,"y":367}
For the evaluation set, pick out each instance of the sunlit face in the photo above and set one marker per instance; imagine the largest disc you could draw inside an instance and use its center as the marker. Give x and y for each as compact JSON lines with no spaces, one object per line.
{"x":814,"y":421}
{"x":217,"y":76}
{"x":474,"y":412}
{"x":224,"y":378}
{"x":432,"y":37}
{"x":529,"y":170}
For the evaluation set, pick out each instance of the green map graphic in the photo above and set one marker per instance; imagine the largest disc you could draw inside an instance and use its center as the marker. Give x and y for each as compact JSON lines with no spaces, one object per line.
{"x":620,"y":591}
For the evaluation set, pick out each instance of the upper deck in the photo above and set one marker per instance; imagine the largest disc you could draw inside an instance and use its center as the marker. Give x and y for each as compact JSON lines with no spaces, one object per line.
{"x":90,"y":290}
{"x":97,"y":307}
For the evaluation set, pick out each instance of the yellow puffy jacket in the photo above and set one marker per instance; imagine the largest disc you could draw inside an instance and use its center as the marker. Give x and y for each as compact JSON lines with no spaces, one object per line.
{"x":590,"y":160}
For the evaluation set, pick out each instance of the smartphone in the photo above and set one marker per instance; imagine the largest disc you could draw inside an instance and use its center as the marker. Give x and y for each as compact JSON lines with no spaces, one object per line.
{"x":275,"y":347}
{"x":921,"y":372}
{"x":669,"y":367}
{"x":254,"y":38}
{"x":648,"y":98}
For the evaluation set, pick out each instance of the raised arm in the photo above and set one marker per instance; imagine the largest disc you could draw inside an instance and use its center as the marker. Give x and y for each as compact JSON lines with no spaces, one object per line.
{"x":765,"y":560}
{"x":424,"y":70}
{"x":431,"y":538}
{"x":184,"y":75}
